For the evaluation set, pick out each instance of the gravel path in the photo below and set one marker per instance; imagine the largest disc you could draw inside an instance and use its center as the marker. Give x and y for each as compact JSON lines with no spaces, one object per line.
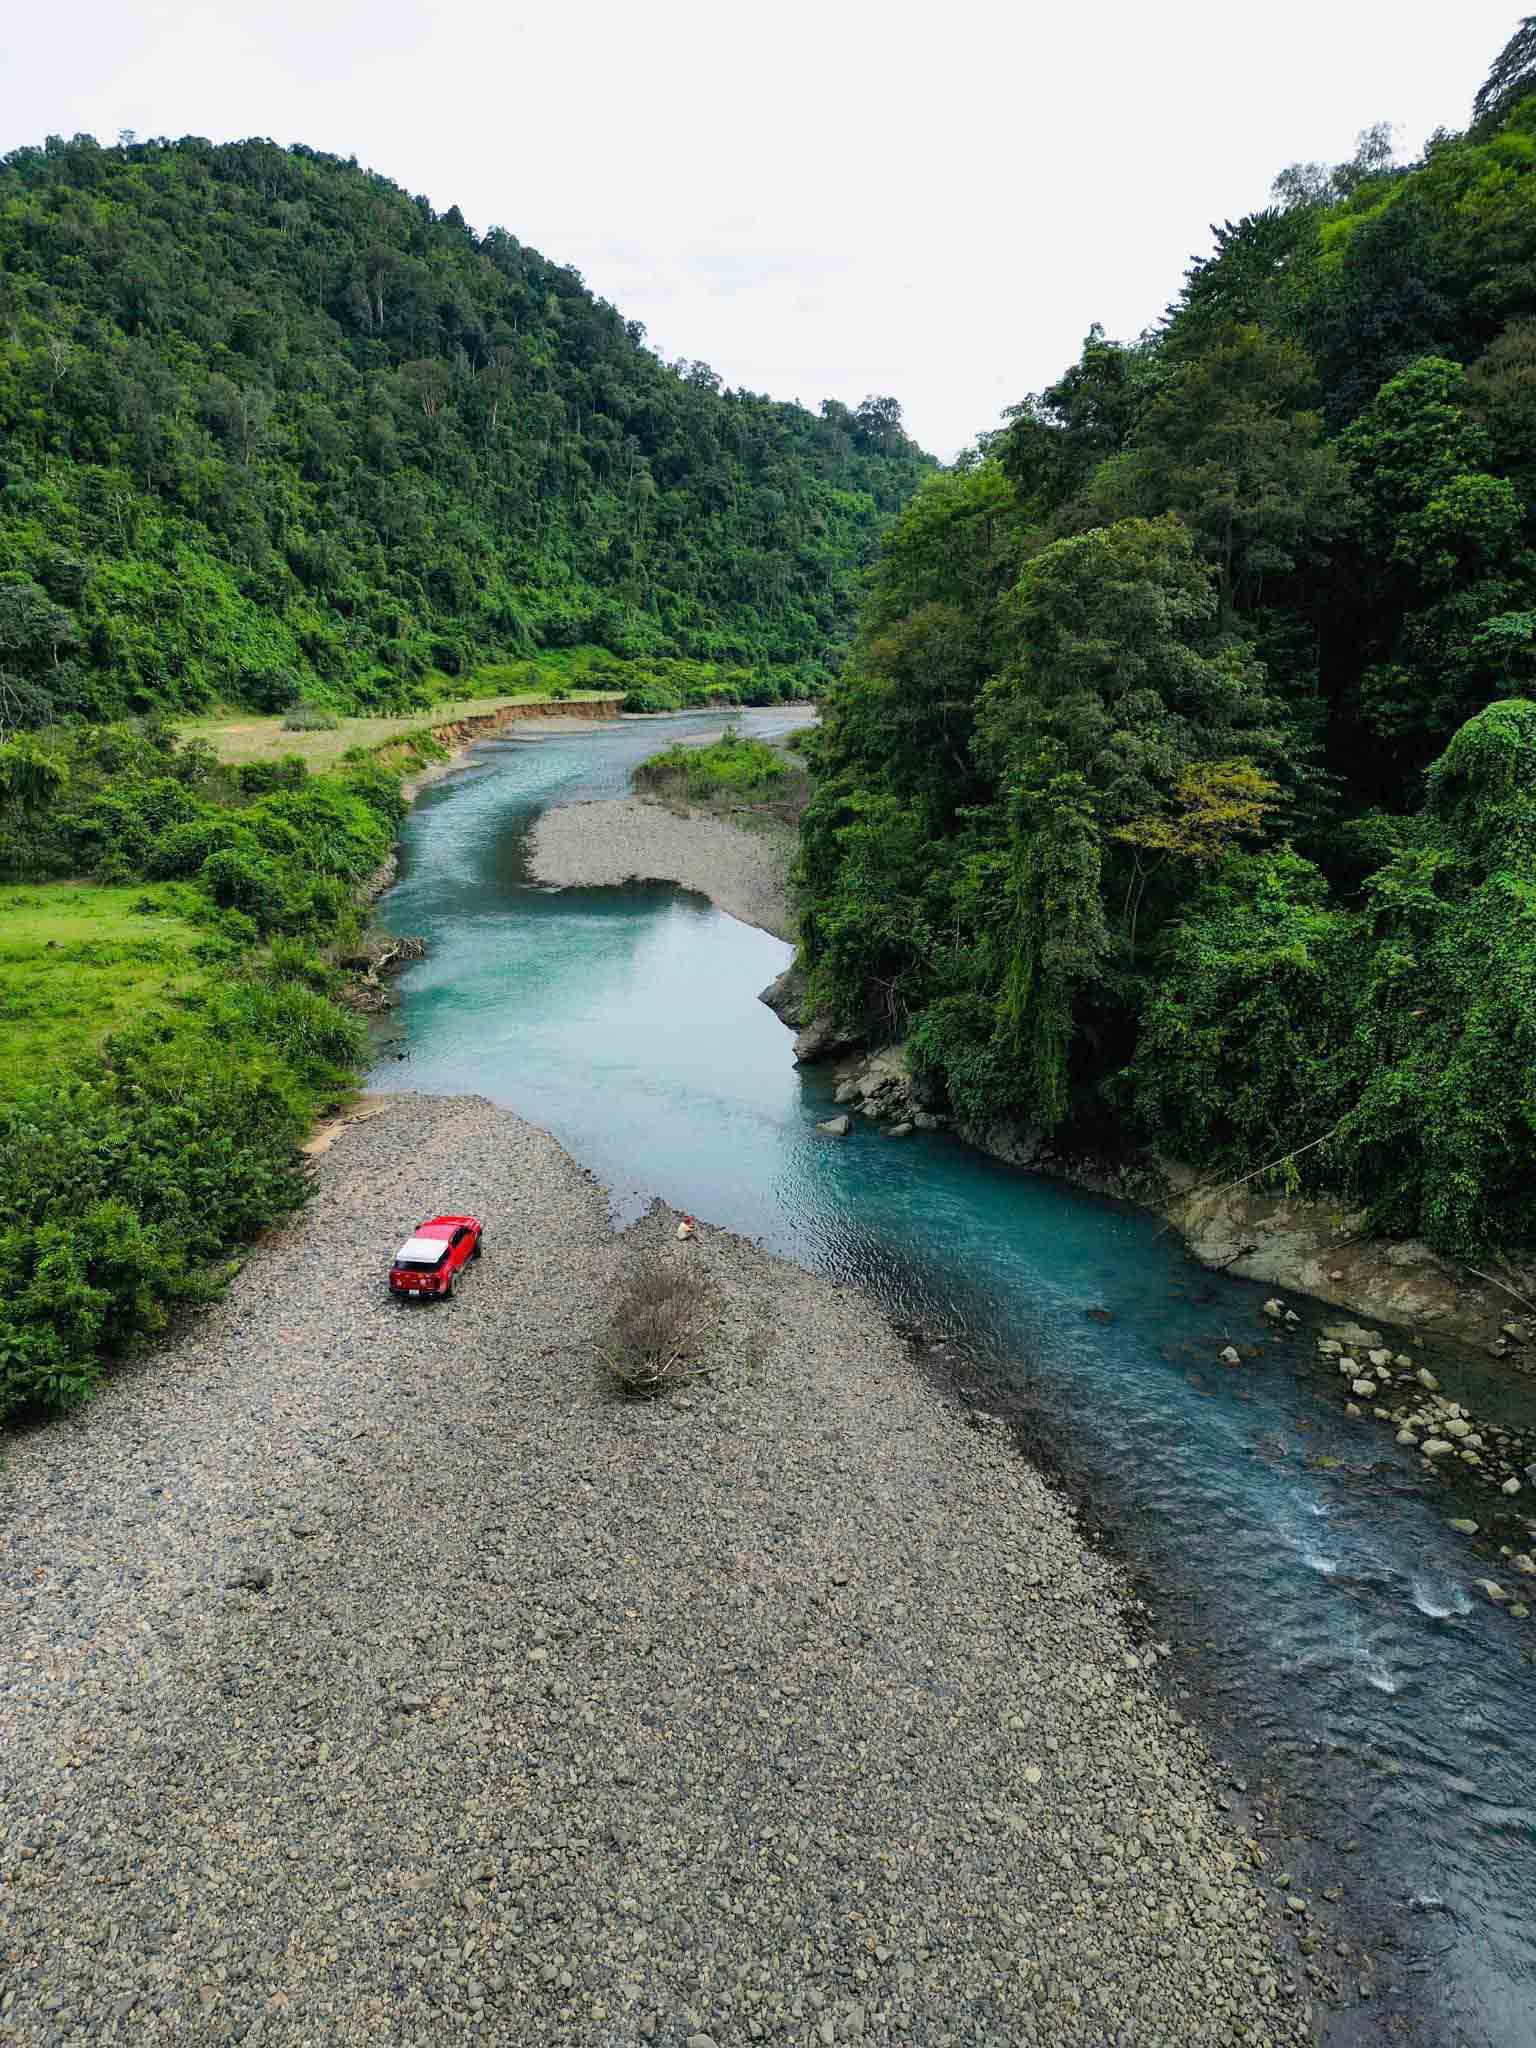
{"x":789,"y":1709}
{"x":633,"y":839}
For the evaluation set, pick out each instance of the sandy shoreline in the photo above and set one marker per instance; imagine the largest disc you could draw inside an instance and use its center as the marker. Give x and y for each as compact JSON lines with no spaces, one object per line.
{"x":374,"y":1676}
{"x":625,"y":839}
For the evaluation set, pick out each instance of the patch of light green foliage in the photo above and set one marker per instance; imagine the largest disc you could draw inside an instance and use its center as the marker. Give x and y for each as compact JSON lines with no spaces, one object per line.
{"x":730,"y":768}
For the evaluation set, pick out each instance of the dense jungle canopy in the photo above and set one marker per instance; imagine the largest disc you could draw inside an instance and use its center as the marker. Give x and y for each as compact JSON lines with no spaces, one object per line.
{"x":270,"y":427}
{"x":1183,"y":780}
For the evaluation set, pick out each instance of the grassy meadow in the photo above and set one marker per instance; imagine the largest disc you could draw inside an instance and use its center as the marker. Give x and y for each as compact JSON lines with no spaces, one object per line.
{"x":80,"y":960}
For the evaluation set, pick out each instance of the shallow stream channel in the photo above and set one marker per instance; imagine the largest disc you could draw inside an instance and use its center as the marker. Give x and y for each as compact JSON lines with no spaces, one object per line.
{"x":1375,"y":1715}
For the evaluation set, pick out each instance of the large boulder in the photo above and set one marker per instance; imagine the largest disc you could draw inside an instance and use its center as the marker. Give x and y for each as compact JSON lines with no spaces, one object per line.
{"x":1351,"y":1333}
{"x":785,"y":996}
{"x":822,"y":1039}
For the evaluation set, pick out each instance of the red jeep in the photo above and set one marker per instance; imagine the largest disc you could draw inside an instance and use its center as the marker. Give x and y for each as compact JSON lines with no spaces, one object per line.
{"x":428,"y":1263}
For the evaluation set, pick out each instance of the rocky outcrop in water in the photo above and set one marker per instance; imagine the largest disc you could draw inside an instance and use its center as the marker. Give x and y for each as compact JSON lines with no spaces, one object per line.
{"x":1289,"y":1241}
{"x":785,"y":996}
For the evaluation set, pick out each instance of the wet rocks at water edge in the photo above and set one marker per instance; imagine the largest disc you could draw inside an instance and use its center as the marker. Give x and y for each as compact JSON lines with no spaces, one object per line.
{"x":785,"y":996}
{"x":368,"y":966}
{"x":1423,"y":1418}
{"x":836,"y":1126}
{"x":880,"y":1087}
{"x":821,"y":1039}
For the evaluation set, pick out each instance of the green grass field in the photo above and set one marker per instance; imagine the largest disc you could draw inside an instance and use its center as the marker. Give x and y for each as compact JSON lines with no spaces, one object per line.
{"x":78,"y":960}
{"x":238,"y":736}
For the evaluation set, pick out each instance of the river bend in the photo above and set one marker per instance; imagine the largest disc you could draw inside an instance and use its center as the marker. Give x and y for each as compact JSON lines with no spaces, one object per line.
{"x":1327,"y":1621}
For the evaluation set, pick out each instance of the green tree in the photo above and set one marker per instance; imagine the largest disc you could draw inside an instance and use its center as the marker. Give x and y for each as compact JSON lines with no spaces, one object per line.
{"x":1215,"y":805}
{"x":291,"y":424}
{"x":1513,"y":75}
{"x":1447,"y":535}
{"x":1278,"y":556}
{"x":1119,"y":659}
{"x":1057,"y":940}
{"x":1439,"y":1141}
{"x":1056,"y":438}
{"x":1233,"y":442}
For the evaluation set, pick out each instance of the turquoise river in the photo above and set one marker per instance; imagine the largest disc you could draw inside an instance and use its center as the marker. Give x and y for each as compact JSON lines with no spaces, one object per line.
{"x":1377,"y":1718}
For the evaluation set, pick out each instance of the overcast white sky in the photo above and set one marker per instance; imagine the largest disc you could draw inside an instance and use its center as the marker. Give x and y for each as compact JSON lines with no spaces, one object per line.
{"x":822,"y":200}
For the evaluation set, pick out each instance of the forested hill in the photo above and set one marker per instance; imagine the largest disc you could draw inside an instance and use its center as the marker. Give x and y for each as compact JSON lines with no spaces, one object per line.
{"x":1184,"y":777}
{"x":269,"y":427}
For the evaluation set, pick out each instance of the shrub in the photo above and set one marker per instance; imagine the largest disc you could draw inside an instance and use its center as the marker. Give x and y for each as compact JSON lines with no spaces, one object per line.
{"x":127,"y":1177}
{"x":240,"y":880}
{"x":183,"y":849}
{"x":269,"y":689}
{"x":650,"y":696}
{"x":123,"y":1182}
{"x":956,"y":1054}
{"x":310,"y":718}
{"x":290,"y":960}
{"x":658,"y":1333}
{"x":261,"y":778}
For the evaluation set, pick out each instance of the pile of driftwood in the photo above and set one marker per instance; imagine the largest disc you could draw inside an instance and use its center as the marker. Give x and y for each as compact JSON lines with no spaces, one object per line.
{"x":380,"y":955}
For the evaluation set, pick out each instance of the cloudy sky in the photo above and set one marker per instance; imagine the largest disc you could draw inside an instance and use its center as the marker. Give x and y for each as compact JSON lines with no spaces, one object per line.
{"x":822,"y":200}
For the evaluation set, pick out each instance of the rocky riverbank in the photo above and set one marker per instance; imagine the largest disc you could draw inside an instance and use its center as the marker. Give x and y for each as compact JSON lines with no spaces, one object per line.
{"x":1306,"y":1246}
{"x":375,"y":1673}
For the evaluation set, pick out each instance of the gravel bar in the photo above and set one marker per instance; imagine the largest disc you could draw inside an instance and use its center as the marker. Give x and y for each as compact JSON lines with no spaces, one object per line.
{"x":372,"y":1674}
{"x":633,"y":839}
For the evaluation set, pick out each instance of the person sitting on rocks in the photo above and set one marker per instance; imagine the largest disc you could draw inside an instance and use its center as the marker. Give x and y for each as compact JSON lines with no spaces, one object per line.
{"x":685,"y":1229}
